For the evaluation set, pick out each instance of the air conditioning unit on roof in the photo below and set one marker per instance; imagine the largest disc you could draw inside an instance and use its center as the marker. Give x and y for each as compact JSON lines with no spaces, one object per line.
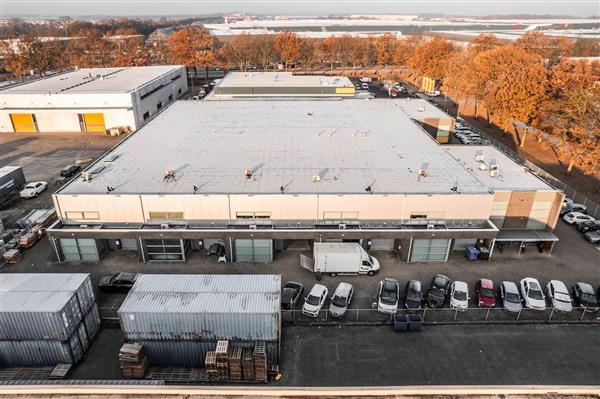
{"x":164,"y":226}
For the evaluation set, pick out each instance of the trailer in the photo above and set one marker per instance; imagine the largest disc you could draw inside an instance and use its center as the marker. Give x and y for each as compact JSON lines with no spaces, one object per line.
{"x":12,"y":180}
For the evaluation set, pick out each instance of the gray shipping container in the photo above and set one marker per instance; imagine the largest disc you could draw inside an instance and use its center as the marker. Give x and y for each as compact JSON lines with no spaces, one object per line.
{"x":40,"y":352}
{"x":203,"y":308}
{"x":93,"y":322}
{"x":79,"y":283}
{"x":39,"y":315}
{"x":11,"y":179}
{"x":192,"y":353}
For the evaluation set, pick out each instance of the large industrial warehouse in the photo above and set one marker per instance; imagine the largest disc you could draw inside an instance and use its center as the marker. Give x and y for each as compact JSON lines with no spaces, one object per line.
{"x":91,"y":99}
{"x":260,"y":176}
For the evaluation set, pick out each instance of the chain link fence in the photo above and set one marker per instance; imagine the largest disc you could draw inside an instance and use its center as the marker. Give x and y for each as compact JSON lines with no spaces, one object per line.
{"x":432,"y":316}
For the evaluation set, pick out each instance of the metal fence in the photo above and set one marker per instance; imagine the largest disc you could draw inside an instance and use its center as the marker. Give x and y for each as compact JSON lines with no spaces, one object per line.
{"x":431,"y":316}
{"x":593,"y":208}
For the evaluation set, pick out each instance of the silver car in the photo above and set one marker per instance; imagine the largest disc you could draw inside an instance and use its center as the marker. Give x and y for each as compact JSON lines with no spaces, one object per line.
{"x":510,"y":296}
{"x":559,"y":296}
{"x":341,"y":299}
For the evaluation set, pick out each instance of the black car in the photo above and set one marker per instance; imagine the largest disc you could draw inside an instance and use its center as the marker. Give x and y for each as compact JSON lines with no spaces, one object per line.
{"x":117,"y":282}
{"x":413,"y":295}
{"x":70,"y":170}
{"x":436,"y":295}
{"x":291,"y":294}
{"x":584,"y":296}
{"x":590,"y":225}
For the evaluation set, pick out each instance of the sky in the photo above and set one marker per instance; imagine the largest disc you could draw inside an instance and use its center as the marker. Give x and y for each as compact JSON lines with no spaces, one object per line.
{"x":154,"y":8}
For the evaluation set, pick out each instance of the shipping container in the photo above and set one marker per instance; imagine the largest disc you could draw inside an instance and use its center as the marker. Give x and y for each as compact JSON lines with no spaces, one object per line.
{"x":193,"y":353}
{"x":39,"y":315}
{"x":40,"y":352}
{"x":93,"y":322}
{"x":11,"y":179}
{"x":79,"y":283}
{"x":203,"y":307}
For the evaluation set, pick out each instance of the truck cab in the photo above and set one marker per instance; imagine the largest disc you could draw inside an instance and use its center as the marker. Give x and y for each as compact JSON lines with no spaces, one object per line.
{"x":369,"y":264}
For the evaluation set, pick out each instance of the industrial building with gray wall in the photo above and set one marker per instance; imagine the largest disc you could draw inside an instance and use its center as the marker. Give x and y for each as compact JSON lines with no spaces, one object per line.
{"x":263,"y":175}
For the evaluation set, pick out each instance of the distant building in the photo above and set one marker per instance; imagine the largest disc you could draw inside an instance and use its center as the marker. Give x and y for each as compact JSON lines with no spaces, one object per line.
{"x":91,"y":99}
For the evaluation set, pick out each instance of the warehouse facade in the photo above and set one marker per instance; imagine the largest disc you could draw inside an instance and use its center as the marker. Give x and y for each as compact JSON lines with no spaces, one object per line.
{"x":260,"y":176}
{"x":91,"y":99}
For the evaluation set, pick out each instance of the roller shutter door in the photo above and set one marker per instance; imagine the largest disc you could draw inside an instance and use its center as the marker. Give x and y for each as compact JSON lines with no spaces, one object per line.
{"x":461,"y":243}
{"x":80,"y":249}
{"x":382,"y":245}
{"x":426,"y":250}
{"x":23,"y":123}
{"x":253,"y":250}
{"x":94,"y":122}
{"x":129,"y":244}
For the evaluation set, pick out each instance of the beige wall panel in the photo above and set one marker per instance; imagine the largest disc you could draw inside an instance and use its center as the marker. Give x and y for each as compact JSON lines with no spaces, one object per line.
{"x":111,"y":208}
{"x":368,"y":206}
{"x":519,"y":208}
{"x":555,"y":212}
{"x":281,"y":207}
{"x":194,"y":207}
{"x":451,"y":206}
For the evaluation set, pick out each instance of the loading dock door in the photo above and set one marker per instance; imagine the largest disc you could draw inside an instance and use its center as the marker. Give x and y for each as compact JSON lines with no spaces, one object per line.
{"x":382,"y":244}
{"x":253,"y":250}
{"x":426,"y":250}
{"x":94,"y":122}
{"x":23,"y":123}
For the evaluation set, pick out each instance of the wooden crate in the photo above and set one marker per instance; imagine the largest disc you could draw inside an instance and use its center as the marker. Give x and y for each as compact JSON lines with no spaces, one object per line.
{"x":247,"y":364}
{"x":12,"y":256}
{"x":260,"y":361}
{"x":210,"y":361}
{"x":135,"y":370}
{"x":222,"y":350}
{"x":235,"y":364}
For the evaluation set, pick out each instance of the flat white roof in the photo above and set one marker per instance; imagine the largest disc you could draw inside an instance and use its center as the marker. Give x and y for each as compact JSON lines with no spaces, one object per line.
{"x":511,"y":176}
{"x":279,"y":79}
{"x":349,"y":144}
{"x":417,"y":108}
{"x":94,"y":80}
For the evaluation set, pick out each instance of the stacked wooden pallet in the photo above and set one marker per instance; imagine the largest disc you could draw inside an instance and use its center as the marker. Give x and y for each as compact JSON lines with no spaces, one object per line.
{"x":260,"y":361}
{"x":248,"y":364}
{"x":134,"y":362}
{"x":210,"y":363}
{"x":221,"y":354}
{"x":12,"y":256}
{"x":235,"y":364}
{"x":29,"y":239}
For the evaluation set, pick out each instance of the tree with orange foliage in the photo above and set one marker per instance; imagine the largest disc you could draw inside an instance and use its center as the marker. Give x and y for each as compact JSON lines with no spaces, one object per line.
{"x":535,"y":42}
{"x":405,"y":48}
{"x":193,"y":47}
{"x":385,"y":46}
{"x":265,"y":52}
{"x":11,"y":60}
{"x":572,"y":113}
{"x":483,"y":42}
{"x":343,"y":48}
{"x":240,"y":51}
{"x":91,"y":49}
{"x":431,"y":59}
{"x":288,"y":46}
{"x":131,"y":51}
{"x":327,"y":50}
{"x":308,"y":53}
{"x":585,"y":47}
{"x":360,"y":51}
{"x":512,"y":82}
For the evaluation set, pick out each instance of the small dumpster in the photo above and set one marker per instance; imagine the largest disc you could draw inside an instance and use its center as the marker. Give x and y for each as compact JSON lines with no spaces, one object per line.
{"x":484,"y":253}
{"x":400,"y":322}
{"x":416,"y":323}
{"x":471,"y":252}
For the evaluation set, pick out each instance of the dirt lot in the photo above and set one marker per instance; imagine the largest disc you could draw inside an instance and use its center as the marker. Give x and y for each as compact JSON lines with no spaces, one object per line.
{"x":42,"y":156}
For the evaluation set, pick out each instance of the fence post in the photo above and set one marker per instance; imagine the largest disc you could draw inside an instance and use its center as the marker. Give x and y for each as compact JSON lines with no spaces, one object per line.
{"x":519,"y":314}
{"x":551,"y":313}
{"x":357,"y":311}
{"x":455,"y":314}
{"x":583,"y":313}
{"x":424,"y":310}
{"x":326,"y":314}
{"x":487,"y":313}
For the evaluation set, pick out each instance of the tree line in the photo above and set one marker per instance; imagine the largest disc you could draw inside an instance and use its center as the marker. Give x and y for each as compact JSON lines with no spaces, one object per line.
{"x":530,"y":80}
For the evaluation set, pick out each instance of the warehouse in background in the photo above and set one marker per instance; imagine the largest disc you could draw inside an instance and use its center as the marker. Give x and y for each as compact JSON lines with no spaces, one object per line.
{"x":91,"y":99}
{"x":46,"y":318}
{"x":178,"y":318}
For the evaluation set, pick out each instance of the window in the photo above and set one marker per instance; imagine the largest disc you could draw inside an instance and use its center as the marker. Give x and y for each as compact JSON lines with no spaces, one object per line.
{"x":170,"y":97}
{"x":253,"y":215}
{"x":418,"y":216}
{"x":166,"y":215}
{"x":146,"y":115}
{"x":158,"y":106}
{"x":87,"y":215}
{"x":179,"y":91}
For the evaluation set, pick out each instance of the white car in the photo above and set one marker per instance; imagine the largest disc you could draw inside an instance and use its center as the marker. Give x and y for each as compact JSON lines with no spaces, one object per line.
{"x":559,"y":296}
{"x":576,"y":217}
{"x":33,"y":189}
{"x":459,"y":296}
{"x":315,"y":300}
{"x":532,"y":294}
{"x":434,"y":93}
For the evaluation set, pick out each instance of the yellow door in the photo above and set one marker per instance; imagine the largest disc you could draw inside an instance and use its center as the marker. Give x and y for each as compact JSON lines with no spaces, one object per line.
{"x":94,"y":122}
{"x":23,"y":122}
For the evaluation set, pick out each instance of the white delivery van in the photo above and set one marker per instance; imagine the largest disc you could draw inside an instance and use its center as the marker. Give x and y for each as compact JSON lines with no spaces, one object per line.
{"x":340,"y":258}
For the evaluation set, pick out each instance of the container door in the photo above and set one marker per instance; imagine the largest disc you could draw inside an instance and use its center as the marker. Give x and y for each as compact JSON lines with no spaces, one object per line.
{"x":23,"y":123}
{"x":94,"y":122}
{"x":307,"y":262}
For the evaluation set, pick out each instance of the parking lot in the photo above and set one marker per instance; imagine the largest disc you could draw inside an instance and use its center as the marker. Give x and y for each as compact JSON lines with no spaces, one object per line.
{"x":42,"y":157}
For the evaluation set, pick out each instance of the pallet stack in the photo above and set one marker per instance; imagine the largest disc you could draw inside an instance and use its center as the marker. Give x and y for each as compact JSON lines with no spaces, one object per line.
{"x":260,"y":362}
{"x":12,"y":256}
{"x":235,"y":364}
{"x":134,"y":362}
{"x":221,"y":354}
{"x":210,"y":363}
{"x":248,"y":364}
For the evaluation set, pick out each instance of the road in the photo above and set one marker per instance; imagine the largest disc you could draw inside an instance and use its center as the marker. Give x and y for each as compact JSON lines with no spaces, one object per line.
{"x":441,"y":355}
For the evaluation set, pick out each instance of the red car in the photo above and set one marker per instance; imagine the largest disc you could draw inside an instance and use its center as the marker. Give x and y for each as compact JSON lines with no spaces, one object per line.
{"x":485,"y":293}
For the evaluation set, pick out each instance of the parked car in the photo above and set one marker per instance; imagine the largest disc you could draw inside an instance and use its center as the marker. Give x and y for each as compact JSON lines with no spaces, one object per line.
{"x":576,"y":217}
{"x":585,"y":297}
{"x":33,"y":189}
{"x":459,"y":296}
{"x":290,"y":294}
{"x":567,"y":201}
{"x":315,"y":300}
{"x":558,"y":294}
{"x":486,"y":297}
{"x":593,"y":236}
{"x":388,"y":293}
{"x":413,"y":295}
{"x":364,"y":85}
{"x":117,"y":282}
{"x":573,"y":207}
{"x":341,"y":299}
{"x":532,"y":294}
{"x":511,"y":299}
{"x":434,"y":93}
{"x":436,"y":295}
{"x":588,"y":225}
{"x":70,"y":170}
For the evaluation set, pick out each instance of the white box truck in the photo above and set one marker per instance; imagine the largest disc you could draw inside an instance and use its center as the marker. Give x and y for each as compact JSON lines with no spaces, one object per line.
{"x":340,"y":258}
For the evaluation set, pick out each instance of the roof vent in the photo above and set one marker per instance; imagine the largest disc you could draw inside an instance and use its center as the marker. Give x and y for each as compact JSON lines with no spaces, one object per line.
{"x":164,"y":226}
{"x":421,"y":109}
{"x":316,"y":179}
{"x":479,"y":157}
{"x":86,"y":176}
{"x":423,"y":169}
{"x":83,"y":226}
{"x":482,"y":166}
{"x":248,"y":173}
{"x":169,"y":174}
{"x":493,"y":168}
{"x":342,"y":226}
